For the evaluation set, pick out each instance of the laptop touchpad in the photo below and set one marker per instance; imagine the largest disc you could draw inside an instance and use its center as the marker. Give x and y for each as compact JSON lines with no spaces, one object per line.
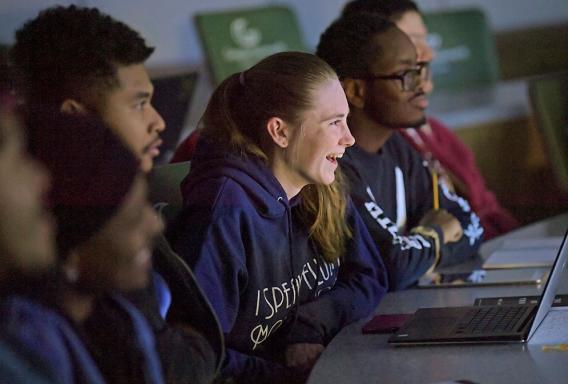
{"x":433,"y":322}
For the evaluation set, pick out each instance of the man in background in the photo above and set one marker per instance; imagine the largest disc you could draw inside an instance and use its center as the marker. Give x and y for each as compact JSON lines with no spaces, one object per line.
{"x":447,"y":154}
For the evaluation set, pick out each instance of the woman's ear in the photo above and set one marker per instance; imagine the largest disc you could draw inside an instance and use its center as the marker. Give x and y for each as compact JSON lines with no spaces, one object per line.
{"x":278,"y":131}
{"x":72,"y":106}
{"x":354,"y":91}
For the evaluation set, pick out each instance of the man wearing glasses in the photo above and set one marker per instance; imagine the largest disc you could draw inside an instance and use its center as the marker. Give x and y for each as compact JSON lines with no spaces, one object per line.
{"x":437,"y":143}
{"x":417,"y":222}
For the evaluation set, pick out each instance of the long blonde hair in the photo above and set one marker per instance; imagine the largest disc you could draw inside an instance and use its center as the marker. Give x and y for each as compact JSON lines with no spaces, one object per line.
{"x":282,"y":85}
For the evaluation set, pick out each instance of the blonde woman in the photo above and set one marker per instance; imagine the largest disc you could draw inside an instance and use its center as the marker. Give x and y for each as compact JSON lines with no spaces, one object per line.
{"x":267,"y":227}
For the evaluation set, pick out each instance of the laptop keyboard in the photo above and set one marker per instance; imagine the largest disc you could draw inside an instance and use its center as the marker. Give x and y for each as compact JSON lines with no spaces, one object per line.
{"x":491,"y":319}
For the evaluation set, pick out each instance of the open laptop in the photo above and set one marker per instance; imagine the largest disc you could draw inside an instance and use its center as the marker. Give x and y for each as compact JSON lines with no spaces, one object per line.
{"x":482,"y":277}
{"x":482,"y":324}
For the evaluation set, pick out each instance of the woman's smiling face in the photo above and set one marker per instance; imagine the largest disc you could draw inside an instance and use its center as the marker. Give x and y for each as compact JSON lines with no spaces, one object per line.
{"x":322,"y":137}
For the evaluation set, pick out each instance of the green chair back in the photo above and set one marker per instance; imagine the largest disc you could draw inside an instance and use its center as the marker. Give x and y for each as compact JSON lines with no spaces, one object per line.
{"x":164,"y":189}
{"x":235,"y":40}
{"x":164,"y":183}
{"x":549,"y":101}
{"x":466,"y":53}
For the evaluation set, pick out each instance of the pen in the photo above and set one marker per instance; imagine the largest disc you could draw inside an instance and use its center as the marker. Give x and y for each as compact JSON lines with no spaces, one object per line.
{"x":555,"y":347}
{"x":435,"y":191}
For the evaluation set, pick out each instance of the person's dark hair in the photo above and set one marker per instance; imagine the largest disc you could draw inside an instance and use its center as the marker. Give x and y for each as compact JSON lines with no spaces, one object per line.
{"x":281,"y":85}
{"x":389,"y":9}
{"x":73,"y":52}
{"x":352,"y":37}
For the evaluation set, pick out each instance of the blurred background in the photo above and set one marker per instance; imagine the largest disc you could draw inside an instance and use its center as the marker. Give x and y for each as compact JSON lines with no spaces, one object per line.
{"x":496,"y":114}
{"x":168,"y":24}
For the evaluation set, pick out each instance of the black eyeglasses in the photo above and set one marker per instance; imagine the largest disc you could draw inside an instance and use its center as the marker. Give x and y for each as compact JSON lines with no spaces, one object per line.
{"x":424,"y":67}
{"x":410,"y":79}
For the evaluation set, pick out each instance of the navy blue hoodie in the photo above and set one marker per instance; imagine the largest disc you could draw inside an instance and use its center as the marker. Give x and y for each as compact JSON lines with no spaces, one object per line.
{"x":254,"y":260}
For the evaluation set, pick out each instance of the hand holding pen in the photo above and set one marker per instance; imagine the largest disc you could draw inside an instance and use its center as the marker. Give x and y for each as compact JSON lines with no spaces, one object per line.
{"x":450,"y":226}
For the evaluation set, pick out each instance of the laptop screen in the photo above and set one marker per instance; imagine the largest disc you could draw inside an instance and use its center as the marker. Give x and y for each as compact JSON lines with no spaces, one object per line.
{"x":549,"y":290}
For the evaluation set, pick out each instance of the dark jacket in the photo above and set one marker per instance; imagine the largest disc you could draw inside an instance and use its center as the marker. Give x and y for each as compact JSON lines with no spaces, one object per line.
{"x":188,"y":336}
{"x":18,"y":366}
{"x":93,"y":352}
{"x":393,"y":190}
{"x":121,"y":342}
{"x":265,"y":278}
{"x":48,"y":338}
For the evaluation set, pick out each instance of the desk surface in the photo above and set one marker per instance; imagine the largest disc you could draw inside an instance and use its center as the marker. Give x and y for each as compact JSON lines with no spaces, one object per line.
{"x":356,"y":358}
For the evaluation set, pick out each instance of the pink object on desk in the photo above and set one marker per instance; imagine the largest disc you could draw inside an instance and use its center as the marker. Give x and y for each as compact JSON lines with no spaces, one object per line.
{"x":385,"y":323}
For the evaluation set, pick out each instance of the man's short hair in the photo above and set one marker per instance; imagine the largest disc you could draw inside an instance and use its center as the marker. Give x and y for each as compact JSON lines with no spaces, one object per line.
{"x":73,"y":52}
{"x":389,"y":9}
{"x":348,"y":45}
